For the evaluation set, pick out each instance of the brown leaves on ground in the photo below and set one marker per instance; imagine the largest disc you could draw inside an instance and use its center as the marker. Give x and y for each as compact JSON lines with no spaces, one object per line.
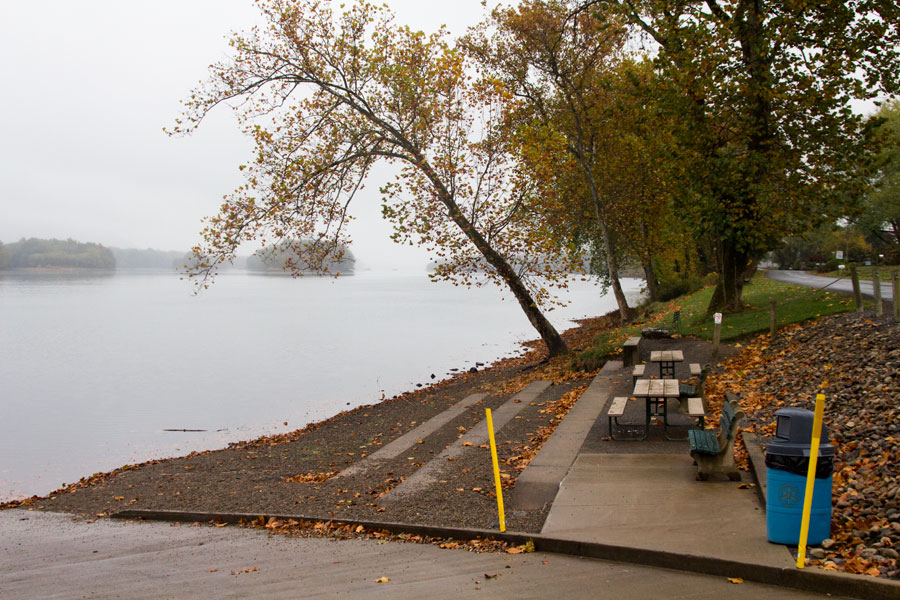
{"x":310,"y":477}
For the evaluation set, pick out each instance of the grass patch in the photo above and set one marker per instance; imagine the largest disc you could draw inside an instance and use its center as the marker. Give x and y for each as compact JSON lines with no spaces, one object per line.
{"x":795,"y":304}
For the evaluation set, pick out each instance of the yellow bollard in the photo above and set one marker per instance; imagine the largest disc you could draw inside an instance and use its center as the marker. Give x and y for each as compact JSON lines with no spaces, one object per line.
{"x":490,"y":425}
{"x":810,"y":479}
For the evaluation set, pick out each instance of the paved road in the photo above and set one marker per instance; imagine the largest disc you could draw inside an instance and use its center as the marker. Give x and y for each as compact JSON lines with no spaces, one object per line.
{"x":48,"y":555}
{"x":841,"y":285}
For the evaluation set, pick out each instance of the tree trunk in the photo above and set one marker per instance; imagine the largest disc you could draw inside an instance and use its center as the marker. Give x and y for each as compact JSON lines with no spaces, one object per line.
{"x":551,"y":338}
{"x":650,"y":277}
{"x":732,"y":264}
{"x":612,"y":264}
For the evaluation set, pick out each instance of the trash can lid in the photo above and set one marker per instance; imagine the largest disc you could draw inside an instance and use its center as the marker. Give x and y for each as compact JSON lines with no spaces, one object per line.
{"x":794,"y":425}
{"x":793,"y":434}
{"x":776,"y":446}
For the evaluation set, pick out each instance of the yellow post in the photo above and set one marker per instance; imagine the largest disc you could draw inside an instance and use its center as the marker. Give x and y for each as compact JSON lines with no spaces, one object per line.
{"x":490,"y":426}
{"x":810,"y":479}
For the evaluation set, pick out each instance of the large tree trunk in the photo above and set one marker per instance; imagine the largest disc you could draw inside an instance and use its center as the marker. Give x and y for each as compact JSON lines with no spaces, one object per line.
{"x":732,"y":264}
{"x":549,"y":335}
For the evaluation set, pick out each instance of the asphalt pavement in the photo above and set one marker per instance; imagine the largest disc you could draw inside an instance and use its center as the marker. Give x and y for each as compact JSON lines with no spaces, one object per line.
{"x":52,"y":555}
{"x":842,"y":284}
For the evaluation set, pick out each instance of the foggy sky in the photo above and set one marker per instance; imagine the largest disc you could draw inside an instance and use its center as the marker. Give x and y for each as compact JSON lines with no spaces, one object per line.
{"x":88,"y":87}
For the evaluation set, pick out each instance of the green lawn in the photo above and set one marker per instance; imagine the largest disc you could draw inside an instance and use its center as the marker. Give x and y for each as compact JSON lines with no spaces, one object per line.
{"x":794,"y":304}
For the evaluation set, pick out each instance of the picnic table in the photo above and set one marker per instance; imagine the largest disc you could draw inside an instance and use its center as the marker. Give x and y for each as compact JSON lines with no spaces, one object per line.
{"x":666,"y":360}
{"x":656,"y":393}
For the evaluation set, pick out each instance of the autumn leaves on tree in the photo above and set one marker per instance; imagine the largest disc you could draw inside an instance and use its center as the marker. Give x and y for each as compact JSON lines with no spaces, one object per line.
{"x":543,"y":138}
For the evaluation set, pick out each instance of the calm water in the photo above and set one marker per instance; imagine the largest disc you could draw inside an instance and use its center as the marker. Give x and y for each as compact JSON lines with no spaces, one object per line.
{"x":93,"y":368}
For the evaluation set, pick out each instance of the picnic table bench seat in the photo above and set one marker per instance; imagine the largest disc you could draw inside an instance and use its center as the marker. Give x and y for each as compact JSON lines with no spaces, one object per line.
{"x":617,"y":409}
{"x":713,"y":451}
{"x":637,"y":373}
{"x":694,"y":408}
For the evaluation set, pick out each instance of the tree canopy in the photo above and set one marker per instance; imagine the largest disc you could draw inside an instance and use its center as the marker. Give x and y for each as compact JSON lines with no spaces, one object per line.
{"x":763,"y":94}
{"x":325,"y":95}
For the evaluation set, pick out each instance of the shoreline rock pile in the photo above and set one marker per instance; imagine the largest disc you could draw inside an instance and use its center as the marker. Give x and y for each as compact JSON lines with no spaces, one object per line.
{"x":854,"y":359}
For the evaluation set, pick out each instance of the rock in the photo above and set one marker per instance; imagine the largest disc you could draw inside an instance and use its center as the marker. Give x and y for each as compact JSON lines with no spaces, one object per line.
{"x":817,"y":553}
{"x":889,"y":553}
{"x":827,"y":543}
{"x":655,"y":333}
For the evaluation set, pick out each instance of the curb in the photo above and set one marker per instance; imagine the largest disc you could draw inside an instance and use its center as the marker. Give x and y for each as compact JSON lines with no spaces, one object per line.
{"x":810,"y":579}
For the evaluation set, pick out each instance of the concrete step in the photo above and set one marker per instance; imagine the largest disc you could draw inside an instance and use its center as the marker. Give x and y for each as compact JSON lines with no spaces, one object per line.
{"x":410,"y":438}
{"x":432,"y":471}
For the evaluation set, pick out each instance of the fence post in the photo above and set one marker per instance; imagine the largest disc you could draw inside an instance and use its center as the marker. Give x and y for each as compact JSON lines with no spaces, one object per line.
{"x":895,"y":280}
{"x":857,"y":293}
{"x":773,"y":319}
{"x":876,"y":289}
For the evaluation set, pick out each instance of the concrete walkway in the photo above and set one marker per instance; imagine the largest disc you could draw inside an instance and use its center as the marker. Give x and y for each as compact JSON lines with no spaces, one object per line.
{"x":651,"y":501}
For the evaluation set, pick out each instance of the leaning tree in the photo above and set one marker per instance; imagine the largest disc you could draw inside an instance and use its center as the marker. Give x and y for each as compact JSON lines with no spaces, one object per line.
{"x":325,"y":96}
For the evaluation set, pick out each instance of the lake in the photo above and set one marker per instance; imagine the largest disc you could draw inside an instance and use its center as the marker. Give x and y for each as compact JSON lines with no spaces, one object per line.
{"x":95,"y":367}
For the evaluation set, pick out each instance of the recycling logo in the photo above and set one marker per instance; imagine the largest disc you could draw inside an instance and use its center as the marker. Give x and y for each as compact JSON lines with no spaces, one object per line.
{"x":788,"y":494}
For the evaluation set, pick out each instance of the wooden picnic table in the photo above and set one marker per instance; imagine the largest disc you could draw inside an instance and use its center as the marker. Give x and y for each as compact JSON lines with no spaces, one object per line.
{"x":666,"y":360}
{"x":656,"y":393}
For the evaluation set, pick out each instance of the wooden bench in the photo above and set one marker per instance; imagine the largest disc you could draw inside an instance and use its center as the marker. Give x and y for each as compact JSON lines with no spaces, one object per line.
{"x":637,"y":373}
{"x":713,"y":452}
{"x":616,"y":410}
{"x":630,"y":351}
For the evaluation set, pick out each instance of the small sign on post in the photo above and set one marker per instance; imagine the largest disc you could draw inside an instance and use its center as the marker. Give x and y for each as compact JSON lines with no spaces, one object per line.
{"x":717,"y":334}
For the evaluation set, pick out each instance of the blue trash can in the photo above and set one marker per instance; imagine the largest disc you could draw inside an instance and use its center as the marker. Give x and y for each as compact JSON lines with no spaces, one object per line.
{"x":787,"y":462}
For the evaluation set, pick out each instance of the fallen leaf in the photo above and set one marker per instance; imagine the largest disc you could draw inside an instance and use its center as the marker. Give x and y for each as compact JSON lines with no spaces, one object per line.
{"x":735,"y":580}
{"x":382,"y":580}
